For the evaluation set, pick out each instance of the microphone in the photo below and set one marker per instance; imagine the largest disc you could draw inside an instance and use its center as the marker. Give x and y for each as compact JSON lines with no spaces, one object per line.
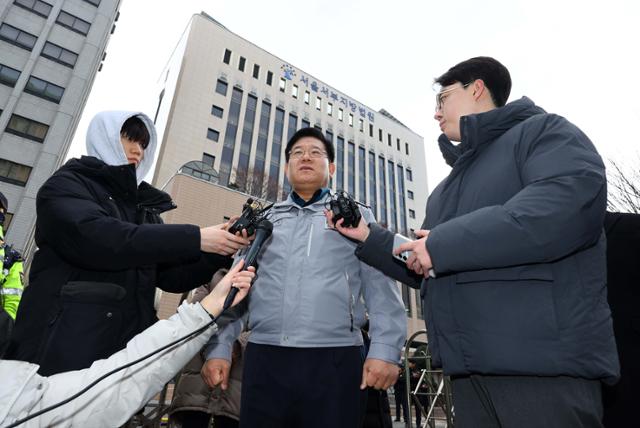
{"x":263,"y":231}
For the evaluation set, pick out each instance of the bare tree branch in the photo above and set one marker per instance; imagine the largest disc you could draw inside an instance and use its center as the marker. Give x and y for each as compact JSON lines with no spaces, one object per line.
{"x":623,"y":183}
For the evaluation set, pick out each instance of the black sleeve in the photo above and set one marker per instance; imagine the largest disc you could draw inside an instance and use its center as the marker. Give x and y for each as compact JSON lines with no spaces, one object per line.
{"x":178,"y":278}
{"x":81,"y":231}
{"x":559,"y":210}
{"x":377,"y":250}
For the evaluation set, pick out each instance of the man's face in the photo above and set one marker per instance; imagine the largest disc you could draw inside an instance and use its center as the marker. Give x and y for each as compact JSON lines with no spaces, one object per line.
{"x":453,"y":102}
{"x":133,"y":150}
{"x":308,"y":167}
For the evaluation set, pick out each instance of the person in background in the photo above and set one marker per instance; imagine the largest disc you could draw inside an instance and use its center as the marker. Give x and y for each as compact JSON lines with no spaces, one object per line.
{"x":11,"y":281}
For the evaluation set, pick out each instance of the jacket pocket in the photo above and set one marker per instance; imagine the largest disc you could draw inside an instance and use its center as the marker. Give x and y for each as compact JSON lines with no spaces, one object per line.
{"x":510,"y":274}
{"x":86,"y":327}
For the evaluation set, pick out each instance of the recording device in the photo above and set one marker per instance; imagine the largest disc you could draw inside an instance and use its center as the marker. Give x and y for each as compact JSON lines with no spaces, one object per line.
{"x":397,"y":241}
{"x":342,"y":205}
{"x":253,"y":212}
{"x":263,"y":231}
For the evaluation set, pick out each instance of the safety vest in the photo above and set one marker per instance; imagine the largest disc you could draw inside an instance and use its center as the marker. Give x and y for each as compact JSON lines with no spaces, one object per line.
{"x":11,"y":277}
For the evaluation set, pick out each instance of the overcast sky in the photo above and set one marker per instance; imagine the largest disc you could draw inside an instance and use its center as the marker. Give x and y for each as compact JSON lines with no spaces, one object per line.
{"x":578,"y":59}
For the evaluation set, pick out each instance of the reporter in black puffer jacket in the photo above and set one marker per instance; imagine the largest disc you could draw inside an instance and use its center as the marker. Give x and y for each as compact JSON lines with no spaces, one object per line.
{"x":103,"y":250}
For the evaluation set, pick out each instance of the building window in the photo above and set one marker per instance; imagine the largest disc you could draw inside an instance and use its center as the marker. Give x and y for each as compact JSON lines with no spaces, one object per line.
{"x":409,"y":175}
{"x":242,"y":177}
{"x":230,"y":134}
{"x":14,"y":173}
{"x":269,"y":78}
{"x":59,"y":54}
{"x":73,"y":23}
{"x":256,"y":183}
{"x":361,"y":125}
{"x":256,"y":71}
{"x":208,"y":159}
{"x":294,"y":91}
{"x":8,"y":76}
{"x":330,"y":109}
{"x":412,"y":214}
{"x":406,"y":148}
{"x":373,"y":196}
{"x":350,"y":119}
{"x":27,"y":128}
{"x":382,"y":175}
{"x":17,"y":37}
{"x":7,"y":221}
{"x":380,"y":135}
{"x":43,"y":89}
{"x":213,"y":135}
{"x":221,"y":87}
{"x":305,"y":123}
{"x":96,"y":3}
{"x":307,"y":96}
{"x":36,"y":6}
{"x":371,"y":130}
{"x":216,"y":111}
{"x":283,"y":84}
{"x":227,"y":56}
{"x":410,"y":194}
{"x":318,"y":103}
{"x":241,"y":63}
{"x":340,"y":163}
{"x":398,"y":144}
{"x":340,"y":114}
{"x":389,"y":139}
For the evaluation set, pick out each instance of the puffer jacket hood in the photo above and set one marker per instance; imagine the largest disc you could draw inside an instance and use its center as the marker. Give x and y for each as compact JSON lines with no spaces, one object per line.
{"x":103,"y":140}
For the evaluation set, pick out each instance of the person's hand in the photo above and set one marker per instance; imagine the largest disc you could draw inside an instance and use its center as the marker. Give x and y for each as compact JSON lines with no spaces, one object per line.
{"x":419,"y":261}
{"x":216,"y":239}
{"x":216,"y":372}
{"x":237,"y":278}
{"x":379,"y":374}
{"x":359,"y":233}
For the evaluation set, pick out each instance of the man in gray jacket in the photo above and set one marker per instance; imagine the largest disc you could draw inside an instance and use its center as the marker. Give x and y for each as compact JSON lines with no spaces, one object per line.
{"x":304,"y":365}
{"x":513,"y":252}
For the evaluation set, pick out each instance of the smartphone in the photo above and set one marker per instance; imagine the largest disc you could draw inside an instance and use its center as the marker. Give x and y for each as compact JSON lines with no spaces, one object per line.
{"x":397,"y":241}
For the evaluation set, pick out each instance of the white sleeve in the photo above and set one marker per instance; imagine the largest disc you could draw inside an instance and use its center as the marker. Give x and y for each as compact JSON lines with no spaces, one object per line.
{"x":115,"y":399}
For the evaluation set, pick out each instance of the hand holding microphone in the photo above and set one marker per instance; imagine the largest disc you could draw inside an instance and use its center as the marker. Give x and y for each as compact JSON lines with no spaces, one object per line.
{"x":263,"y":232}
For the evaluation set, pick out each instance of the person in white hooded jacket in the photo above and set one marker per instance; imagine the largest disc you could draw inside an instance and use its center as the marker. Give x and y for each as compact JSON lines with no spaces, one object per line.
{"x":103,"y":250}
{"x":116,"y":398}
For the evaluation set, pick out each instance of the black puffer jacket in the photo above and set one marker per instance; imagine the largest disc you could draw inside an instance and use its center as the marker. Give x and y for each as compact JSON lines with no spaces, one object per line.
{"x":101,"y":254}
{"x":518,"y":250}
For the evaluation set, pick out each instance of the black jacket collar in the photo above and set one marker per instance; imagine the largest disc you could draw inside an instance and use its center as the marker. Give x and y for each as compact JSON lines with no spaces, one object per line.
{"x":482,"y":128}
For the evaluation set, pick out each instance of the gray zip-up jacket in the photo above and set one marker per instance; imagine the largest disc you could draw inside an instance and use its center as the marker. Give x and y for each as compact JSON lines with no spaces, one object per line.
{"x":312,"y":291}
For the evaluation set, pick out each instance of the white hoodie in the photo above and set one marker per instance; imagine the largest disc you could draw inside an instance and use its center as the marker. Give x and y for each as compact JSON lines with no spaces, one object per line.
{"x":103,"y":140}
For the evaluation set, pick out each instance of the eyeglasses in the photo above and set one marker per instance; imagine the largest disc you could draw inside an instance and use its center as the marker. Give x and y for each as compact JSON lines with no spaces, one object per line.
{"x":442,"y":95}
{"x":314,"y":153}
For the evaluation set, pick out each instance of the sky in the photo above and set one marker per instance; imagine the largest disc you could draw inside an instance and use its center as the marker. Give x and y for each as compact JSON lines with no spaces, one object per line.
{"x":578,"y":59}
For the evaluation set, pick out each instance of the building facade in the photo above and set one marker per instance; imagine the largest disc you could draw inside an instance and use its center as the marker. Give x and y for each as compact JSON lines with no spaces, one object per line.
{"x":232,"y":106}
{"x":50,"y":52}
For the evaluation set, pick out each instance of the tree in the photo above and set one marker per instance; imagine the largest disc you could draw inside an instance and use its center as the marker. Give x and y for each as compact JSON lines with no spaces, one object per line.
{"x":256,"y":184}
{"x":623,"y":184}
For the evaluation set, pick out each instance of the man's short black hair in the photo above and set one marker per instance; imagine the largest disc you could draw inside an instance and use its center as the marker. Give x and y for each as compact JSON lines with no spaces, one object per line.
{"x":313,"y":133}
{"x":495,"y":76}
{"x":135,"y":130}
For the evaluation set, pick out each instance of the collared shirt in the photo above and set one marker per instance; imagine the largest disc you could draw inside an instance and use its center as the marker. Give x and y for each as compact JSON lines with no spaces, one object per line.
{"x":319,"y":194}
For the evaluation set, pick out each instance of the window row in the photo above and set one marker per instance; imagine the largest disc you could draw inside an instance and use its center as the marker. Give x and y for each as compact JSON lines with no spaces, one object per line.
{"x":35,"y":86}
{"x":65,"y":19}
{"x":27,"y":41}
{"x":242,"y":63}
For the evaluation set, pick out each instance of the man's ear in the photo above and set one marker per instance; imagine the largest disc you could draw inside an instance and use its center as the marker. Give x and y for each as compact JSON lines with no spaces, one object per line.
{"x":479,"y":89}
{"x":332,"y":169}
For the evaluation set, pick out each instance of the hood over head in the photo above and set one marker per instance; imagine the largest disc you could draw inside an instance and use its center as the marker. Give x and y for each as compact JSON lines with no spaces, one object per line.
{"x":103,"y":140}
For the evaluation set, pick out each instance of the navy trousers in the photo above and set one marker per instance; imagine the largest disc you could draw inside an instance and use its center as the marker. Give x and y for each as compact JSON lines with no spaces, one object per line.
{"x":301,"y":387}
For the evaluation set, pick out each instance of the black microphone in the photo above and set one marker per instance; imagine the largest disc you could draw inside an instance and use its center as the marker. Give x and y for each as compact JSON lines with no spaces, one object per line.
{"x":263,"y":231}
